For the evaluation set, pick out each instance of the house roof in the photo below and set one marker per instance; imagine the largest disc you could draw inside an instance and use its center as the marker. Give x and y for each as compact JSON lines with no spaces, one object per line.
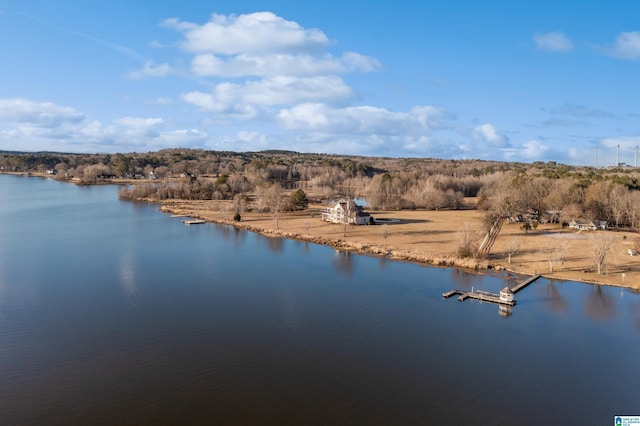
{"x":506,"y":290}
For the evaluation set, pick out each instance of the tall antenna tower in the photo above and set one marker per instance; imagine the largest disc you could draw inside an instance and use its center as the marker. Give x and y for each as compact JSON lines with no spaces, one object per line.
{"x":596,"y":157}
{"x":636,"y":164}
{"x":618,"y":156}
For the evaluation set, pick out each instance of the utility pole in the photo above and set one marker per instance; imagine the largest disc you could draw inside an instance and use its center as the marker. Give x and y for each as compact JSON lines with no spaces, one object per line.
{"x":618,"y":156}
{"x":596,"y":157}
{"x":636,"y":164}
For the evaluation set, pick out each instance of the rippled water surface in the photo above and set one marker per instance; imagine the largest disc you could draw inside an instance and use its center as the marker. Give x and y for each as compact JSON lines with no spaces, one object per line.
{"x":112,"y":312}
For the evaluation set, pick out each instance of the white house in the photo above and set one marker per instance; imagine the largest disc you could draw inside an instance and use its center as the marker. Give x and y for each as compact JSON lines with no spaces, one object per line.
{"x":592,"y":225}
{"x":346,"y":211}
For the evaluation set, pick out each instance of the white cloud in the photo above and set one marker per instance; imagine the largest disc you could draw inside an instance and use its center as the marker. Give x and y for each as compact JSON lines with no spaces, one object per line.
{"x":554,"y":41}
{"x":208,"y":102}
{"x":28,"y":125}
{"x":534,"y":150}
{"x":37,"y":114}
{"x":151,"y":70}
{"x":360,"y":120}
{"x":528,"y":151}
{"x":160,"y":101}
{"x":279,"y":90}
{"x":250,"y":33}
{"x":625,"y":142}
{"x":137,"y":127}
{"x":181,"y":138}
{"x":627,"y":46}
{"x":488,"y":133}
{"x":261,"y":65}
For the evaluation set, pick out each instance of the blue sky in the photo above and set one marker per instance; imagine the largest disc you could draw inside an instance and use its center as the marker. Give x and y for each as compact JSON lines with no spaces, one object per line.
{"x":500,"y":80}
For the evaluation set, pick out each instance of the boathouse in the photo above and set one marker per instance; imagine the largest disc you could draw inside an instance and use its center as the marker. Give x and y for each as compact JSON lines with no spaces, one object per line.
{"x":506,"y":295}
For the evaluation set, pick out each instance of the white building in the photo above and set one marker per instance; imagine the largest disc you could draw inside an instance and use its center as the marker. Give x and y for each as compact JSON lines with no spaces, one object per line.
{"x":506,"y":295}
{"x":346,"y":211}
{"x":592,"y":225}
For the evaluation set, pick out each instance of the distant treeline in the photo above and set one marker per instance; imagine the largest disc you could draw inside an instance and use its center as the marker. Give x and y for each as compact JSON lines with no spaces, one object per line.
{"x":501,"y":188}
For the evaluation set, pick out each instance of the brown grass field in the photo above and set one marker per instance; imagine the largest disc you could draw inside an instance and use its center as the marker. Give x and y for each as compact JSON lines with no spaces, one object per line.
{"x":433,"y":237}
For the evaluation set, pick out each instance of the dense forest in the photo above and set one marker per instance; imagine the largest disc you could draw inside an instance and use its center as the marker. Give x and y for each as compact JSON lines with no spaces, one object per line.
{"x":508,"y":189}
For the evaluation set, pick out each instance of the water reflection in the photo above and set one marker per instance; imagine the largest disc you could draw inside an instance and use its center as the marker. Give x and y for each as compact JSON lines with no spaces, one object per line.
{"x":635,"y":309}
{"x":128,"y":281}
{"x":239,"y":237}
{"x":553,"y":298}
{"x":343,"y":262}
{"x":465,"y":280}
{"x":383,"y":262}
{"x":304,"y":247}
{"x":225,"y":231}
{"x":600,"y":305}
{"x":505,"y":311}
{"x":276,"y":245}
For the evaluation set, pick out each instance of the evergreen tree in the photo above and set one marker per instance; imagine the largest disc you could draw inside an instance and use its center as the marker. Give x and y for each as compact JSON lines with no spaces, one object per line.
{"x":299,"y":200}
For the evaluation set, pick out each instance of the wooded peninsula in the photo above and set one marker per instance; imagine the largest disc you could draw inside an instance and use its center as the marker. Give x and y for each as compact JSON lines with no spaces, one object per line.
{"x":566,"y":222}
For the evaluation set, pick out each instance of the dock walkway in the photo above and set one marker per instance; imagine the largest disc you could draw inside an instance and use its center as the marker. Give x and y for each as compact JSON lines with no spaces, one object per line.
{"x":486,"y":296}
{"x":524,"y":284}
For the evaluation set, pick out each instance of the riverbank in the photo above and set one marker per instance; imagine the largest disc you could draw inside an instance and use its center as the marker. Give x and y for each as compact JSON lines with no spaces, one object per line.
{"x":432,"y":237}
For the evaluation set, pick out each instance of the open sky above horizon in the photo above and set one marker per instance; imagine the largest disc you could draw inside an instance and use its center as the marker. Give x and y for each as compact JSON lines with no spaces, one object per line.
{"x":500,"y":80}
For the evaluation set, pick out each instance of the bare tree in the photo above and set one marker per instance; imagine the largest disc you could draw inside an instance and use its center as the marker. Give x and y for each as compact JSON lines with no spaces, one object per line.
{"x":93,"y":172}
{"x":513,"y":247}
{"x":616,"y":201}
{"x":468,"y":240}
{"x":632,"y":209}
{"x":262,"y":199}
{"x":602,"y":246}
{"x":554,"y":252}
{"x":239,"y":204}
{"x":572,"y":211}
{"x":384,"y":231}
{"x":274,"y":201}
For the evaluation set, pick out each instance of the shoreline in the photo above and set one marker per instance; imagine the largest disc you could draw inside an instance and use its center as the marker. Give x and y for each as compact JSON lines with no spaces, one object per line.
{"x":358,"y":241}
{"x":482,"y":266}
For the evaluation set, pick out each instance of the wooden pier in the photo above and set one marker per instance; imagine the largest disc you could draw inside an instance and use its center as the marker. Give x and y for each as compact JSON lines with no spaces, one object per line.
{"x":485,"y":296}
{"x":193,"y":221}
{"x":524,"y":284}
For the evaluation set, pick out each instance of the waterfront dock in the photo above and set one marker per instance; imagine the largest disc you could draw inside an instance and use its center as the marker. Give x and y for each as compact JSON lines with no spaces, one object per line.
{"x":504,"y":298}
{"x":486,"y":297}
{"x":193,"y":221}
{"x":525,"y":284}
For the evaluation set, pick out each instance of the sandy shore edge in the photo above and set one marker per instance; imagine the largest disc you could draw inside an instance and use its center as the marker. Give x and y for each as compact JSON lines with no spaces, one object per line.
{"x":394,"y":253}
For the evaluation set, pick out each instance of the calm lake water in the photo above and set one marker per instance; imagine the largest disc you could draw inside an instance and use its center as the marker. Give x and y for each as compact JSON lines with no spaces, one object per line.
{"x":114,"y":313}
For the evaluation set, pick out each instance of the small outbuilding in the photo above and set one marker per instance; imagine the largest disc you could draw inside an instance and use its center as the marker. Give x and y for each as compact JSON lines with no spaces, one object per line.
{"x":506,"y":295}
